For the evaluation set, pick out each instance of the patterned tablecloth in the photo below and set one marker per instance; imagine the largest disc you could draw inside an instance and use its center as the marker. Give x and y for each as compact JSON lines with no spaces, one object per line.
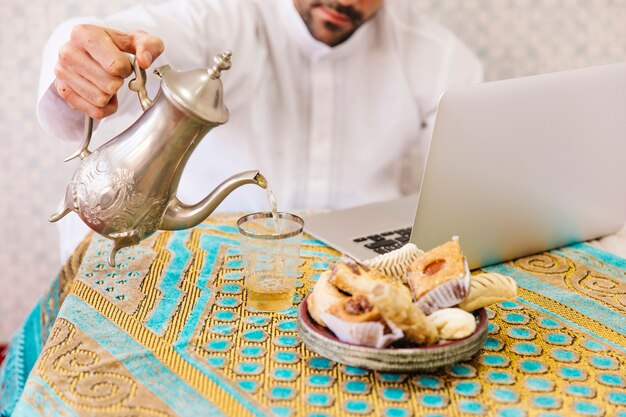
{"x":167,"y":332}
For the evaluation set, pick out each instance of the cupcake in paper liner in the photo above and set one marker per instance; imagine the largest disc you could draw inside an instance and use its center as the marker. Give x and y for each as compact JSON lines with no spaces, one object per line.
{"x":357,"y":322}
{"x":440,"y":278}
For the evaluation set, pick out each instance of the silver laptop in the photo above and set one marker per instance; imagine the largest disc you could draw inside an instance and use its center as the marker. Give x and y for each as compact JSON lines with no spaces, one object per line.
{"x":515,"y":167}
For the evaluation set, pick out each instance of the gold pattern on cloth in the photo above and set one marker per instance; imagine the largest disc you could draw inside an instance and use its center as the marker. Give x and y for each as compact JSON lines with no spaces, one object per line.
{"x":162,"y":348}
{"x":123,"y":282}
{"x":569,"y":275}
{"x":188,"y":309}
{"x":149,"y":282}
{"x":70,"y":270}
{"x":52,"y":300}
{"x":567,"y":312}
{"x":92,"y":381}
{"x":592,"y":262}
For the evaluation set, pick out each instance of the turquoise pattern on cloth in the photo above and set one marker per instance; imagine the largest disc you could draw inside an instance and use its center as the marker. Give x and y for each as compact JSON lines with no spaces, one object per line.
{"x":550,"y":352}
{"x":23,"y":352}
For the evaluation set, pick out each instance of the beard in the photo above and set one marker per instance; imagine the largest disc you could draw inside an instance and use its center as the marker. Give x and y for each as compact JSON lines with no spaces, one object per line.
{"x":355,"y":17}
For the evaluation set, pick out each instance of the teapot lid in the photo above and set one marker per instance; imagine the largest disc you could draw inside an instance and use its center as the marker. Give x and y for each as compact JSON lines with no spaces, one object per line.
{"x":198,"y":91}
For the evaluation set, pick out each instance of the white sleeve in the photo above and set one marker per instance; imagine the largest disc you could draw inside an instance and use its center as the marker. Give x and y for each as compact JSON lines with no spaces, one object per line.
{"x":55,"y":116}
{"x":192,"y":31}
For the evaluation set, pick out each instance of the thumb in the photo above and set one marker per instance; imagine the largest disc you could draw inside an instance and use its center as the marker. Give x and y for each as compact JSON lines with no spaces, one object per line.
{"x":144,"y":46}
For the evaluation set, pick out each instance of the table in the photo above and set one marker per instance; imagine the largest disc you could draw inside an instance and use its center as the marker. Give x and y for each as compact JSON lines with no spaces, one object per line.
{"x":168,"y":333}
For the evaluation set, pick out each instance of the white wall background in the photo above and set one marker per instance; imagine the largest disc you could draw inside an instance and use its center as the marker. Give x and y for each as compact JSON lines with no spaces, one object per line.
{"x":512,"y":37}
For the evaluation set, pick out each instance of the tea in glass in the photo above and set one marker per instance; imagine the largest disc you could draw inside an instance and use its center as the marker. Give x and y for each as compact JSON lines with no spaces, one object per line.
{"x":270,"y":250}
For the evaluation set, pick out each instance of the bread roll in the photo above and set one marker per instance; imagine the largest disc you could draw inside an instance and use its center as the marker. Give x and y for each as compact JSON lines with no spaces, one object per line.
{"x":453,"y":323}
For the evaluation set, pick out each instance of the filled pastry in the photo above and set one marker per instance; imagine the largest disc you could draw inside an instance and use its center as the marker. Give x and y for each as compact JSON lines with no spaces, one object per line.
{"x":355,"y":320}
{"x":440,"y":278}
{"x":487,"y":289}
{"x":396,"y":306}
{"x":355,"y":309}
{"x":323,"y":296}
{"x":353,"y":277}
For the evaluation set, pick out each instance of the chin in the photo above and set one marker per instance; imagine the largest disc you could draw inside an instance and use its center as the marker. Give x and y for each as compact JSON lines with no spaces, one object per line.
{"x":329,"y":34}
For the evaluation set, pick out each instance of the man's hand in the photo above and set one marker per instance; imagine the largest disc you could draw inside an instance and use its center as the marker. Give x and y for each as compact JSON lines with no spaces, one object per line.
{"x":92,"y":66}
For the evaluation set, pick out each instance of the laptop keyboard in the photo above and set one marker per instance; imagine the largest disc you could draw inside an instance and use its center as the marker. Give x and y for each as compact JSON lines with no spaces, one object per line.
{"x":387,"y":241}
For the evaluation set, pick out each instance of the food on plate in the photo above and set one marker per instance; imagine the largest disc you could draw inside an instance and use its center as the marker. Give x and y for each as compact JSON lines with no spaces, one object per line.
{"x":395,"y":264}
{"x":405,"y":295}
{"x":347,"y":277}
{"x":453,"y":323}
{"x":487,"y":289}
{"x":353,"y":277}
{"x":440,"y":278}
{"x":355,"y":320}
{"x":368,"y":333}
{"x":396,"y":306}
{"x":323,"y":296}
{"x":356,"y":309}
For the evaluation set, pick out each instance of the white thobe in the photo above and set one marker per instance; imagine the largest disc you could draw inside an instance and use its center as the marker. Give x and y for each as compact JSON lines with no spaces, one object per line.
{"x":329,"y":127}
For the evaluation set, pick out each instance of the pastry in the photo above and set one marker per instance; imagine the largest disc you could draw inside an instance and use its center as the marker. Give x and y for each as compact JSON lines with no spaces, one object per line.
{"x":353,"y":277}
{"x":395,"y":264}
{"x":356,"y":309}
{"x":369,"y":333}
{"x":396,"y":306}
{"x":453,"y":323}
{"x":323,"y":296}
{"x":440,"y":278}
{"x":487,"y":289}
{"x":355,"y":320}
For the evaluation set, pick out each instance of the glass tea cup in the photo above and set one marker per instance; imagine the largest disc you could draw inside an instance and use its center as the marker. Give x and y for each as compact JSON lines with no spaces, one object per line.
{"x":270,"y":251}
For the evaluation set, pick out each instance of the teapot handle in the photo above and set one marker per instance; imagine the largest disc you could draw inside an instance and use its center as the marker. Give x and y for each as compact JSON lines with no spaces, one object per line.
{"x":137,"y":84}
{"x":83,"y":151}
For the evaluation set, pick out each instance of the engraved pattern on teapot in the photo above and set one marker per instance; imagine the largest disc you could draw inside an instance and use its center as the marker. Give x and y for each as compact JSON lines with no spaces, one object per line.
{"x":105,"y":197}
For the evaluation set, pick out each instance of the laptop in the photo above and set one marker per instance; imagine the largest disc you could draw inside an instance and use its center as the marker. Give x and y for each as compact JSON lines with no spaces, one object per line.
{"x":515,"y":167}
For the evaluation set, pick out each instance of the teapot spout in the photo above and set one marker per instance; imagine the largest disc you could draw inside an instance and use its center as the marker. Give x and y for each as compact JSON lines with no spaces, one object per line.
{"x":180,"y":216}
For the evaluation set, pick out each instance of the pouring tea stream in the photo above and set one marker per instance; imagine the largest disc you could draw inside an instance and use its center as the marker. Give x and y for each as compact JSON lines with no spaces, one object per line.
{"x":125,"y":190}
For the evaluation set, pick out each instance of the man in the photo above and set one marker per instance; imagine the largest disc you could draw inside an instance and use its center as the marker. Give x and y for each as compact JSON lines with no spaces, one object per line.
{"x":327,"y":97}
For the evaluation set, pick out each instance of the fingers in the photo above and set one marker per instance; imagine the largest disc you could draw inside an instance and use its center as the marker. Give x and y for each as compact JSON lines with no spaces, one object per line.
{"x":96,"y":42}
{"x":82,"y":86}
{"x":76,"y":102}
{"x":144,"y":46}
{"x":73,"y":60}
{"x":93,"y":64}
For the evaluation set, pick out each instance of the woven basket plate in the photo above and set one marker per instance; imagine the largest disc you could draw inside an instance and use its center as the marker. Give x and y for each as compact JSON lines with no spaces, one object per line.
{"x":323,"y":342}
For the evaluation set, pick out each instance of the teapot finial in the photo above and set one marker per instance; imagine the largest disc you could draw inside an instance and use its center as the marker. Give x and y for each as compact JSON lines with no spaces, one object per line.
{"x":222,"y":63}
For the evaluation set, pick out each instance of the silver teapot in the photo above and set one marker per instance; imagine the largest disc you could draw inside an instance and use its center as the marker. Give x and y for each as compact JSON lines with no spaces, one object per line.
{"x":126,"y":189}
